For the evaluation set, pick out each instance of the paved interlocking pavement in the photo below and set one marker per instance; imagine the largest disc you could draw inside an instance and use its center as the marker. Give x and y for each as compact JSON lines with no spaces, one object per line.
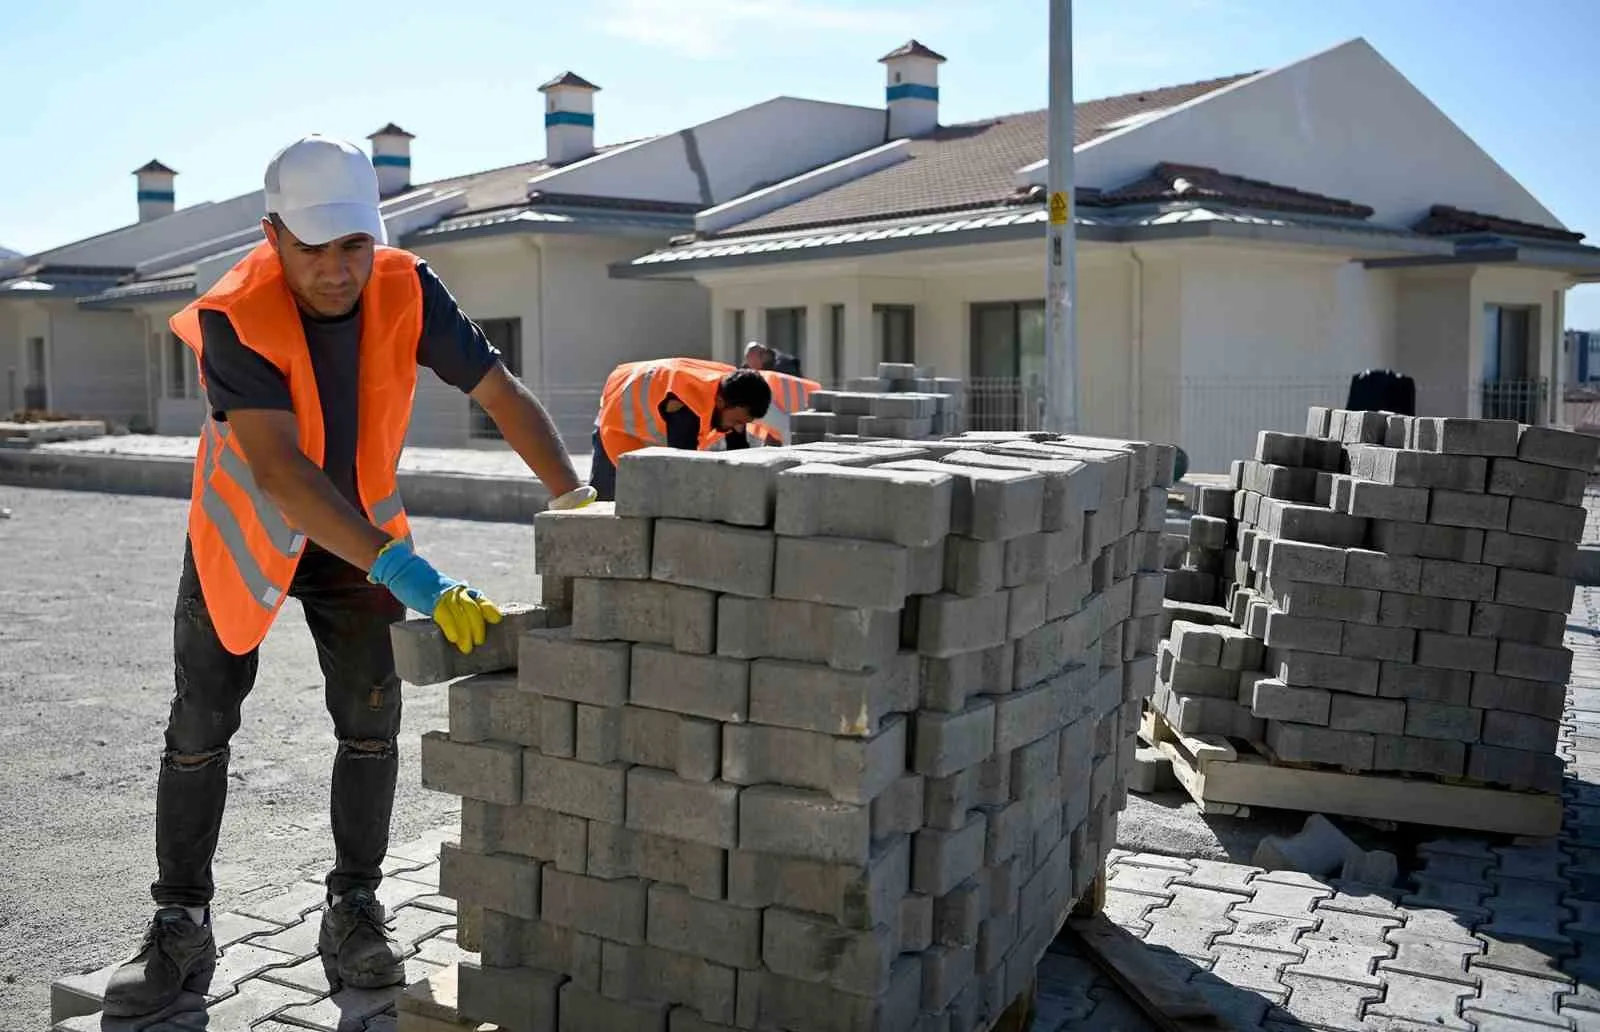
{"x":1487,"y":935}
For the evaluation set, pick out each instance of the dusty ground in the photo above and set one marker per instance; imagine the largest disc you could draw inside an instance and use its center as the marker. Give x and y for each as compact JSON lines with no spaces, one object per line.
{"x":86,"y":594}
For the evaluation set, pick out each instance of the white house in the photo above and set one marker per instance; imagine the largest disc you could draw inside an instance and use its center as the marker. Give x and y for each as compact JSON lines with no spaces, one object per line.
{"x":1246,"y":245}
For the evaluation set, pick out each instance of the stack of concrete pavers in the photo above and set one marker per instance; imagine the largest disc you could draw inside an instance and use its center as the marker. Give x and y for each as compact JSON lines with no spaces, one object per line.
{"x":1409,"y":578}
{"x":903,"y":401}
{"x":833,"y":739}
{"x":1206,"y":558}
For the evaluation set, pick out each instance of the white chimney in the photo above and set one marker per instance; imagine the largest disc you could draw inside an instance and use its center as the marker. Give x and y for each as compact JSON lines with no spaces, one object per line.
{"x":568,"y":118}
{"x":912,"y":90}
{"x":155,"y":195}
{"x":391,"y":157}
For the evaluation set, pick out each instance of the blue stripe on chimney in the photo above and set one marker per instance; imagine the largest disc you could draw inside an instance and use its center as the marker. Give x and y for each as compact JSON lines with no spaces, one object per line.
{"x":568,"y":118}
{"x":391,"y":160}
{"x":155,"y":195}
{"x":911,"y":91}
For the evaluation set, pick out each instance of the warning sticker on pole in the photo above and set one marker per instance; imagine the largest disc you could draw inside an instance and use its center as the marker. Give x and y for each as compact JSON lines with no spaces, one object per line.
{"x":1058,"y":209}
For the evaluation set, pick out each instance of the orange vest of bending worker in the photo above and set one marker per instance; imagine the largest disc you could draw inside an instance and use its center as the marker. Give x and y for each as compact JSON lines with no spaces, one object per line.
{"x":245,"y":551}
{"x":790,"y":394}
{"x":630,"y":403}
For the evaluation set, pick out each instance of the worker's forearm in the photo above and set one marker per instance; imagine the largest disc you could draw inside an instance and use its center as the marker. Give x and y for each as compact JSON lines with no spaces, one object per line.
{"x":531,"y":433}
{"x":310,"y":502}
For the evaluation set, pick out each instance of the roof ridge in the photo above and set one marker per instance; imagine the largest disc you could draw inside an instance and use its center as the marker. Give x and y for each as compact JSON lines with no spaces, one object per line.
{"x":1215,"y":84}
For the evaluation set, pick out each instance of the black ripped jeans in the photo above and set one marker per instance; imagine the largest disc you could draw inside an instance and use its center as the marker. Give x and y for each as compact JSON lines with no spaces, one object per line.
{"x":349,"y":619}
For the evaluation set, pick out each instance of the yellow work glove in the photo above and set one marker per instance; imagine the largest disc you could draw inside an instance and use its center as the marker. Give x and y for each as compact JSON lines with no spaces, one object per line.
{"x":577,"y":498}
{"x":464,"y":614}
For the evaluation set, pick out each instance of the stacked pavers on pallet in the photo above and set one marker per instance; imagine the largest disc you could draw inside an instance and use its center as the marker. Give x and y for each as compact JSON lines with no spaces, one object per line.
{"x":1409,"y":578}
{"x":834,"y":738}
{"x":1205,"y":559}
{"x":903,"y":401}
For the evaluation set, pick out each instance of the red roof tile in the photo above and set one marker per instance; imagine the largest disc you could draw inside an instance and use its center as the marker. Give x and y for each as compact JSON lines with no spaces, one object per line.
{"x":1172,"y":182}
{"x":1444,"y":220}
{"x":971,"y":165}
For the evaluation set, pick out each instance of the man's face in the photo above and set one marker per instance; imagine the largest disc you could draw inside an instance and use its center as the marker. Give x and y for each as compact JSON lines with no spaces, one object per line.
{"x":755,"y":358}
{"x":325,"y":279}
{"x":732,"y":419}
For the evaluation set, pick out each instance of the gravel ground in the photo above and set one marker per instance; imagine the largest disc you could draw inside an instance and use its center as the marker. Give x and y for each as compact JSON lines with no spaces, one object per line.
{"x":86,"y":674}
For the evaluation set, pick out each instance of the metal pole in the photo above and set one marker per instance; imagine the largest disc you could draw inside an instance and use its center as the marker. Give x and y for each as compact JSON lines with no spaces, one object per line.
{"x":1061,"y":341}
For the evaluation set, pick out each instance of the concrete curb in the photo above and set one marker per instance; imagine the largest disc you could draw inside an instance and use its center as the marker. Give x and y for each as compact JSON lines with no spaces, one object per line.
{"x":452,"y":495}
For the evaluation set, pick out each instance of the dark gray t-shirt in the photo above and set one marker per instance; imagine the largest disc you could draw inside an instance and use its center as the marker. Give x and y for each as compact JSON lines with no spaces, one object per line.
{"x":451,"y":345}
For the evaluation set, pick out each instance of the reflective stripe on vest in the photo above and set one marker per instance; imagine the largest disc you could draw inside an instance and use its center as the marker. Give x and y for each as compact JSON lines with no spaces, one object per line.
{"x":637,"y":410}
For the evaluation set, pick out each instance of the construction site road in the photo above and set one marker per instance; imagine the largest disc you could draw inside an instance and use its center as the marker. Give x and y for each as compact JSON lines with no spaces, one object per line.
{"x":87,"y":585}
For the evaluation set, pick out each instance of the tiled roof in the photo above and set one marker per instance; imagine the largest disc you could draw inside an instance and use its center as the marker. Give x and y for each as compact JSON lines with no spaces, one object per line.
{"x":392,"y":130}
{"x":1444,"y":220}
{"x":569,"y":79}
{"x":971,"y":165}
{"x":155,"y":166}
{"x":912,"y":48}
{"x":1170,"y":182}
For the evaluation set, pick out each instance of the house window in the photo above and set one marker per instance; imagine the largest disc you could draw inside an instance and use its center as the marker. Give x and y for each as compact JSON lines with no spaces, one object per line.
{"x":506,"y":336}
{"x":183,"y":380}
{"x":836,"y":343}
{"x":786,"y":330}
{"x":1007,"y":360}
{"x":896,"y":328}
{"x":1511,"y":389}
{"x":35,"y":395}
{"x":736,"y":335}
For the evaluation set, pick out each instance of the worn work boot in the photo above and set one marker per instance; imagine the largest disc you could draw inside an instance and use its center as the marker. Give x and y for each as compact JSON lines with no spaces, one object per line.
{"x":357,"y":949}
{"x":176,"y":955}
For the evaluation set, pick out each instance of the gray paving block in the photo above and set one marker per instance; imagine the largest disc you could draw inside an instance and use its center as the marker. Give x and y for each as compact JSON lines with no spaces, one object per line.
{"x":1302,"y":633}
{"x":663,"y":804}
{"x":1458,"y":436}
{"x":527,"y":831}
{"x":1467,"y":509}
{"x":949,"y":624}
{"x":1533,"y":662}
{"x":1534,"y":590}
{"x":617,"y":852}
{"x":1425,"y":613}
{"x":1356,"y":713}
{"x":1521,"y":552}
{"x":592,"y":542}
{"x":1533,"y":518}
{"x":854,"y":770}
{"x":714,"y":687}
{"x":558,"y":726}
{"x":650,"y":612}
{"x":609,"y":908}
{"x":1516,"y":768}
{"x":1515,"y":623}
{"x":986,"y":503}
{"x":737,"y":487}
{"x":1326,"y":601}
{"x":848,"y":572}
{"x":597,"y":734}
{"x":807,"y":632}
{"x":1474,"y":582}
{"x":718,"y":557}
{"x":493,"y":706}
{"x":1374,"y":641}
{"x":523,"y":997}
{"x":721,"y":932}
{"x":422,"y":654}
{"x":1304,"y":561}
{"x":905,"y":507}
{"x":947,"y":682}
{"x":1304,"y":743}
{"x":1420,"y":755}
{"x":1456,"y":652}
{"x":1535,"y":698}
{"x":1428,"y":540}
{"x":1438,"y":720}
{"x":803,"y":824}
{"x":491,"y":771}
{"x":812,"y":697}
{"x":1381,"y":571}
{"x":1406,"y":468}
{"x":594,"y":791}
{"x":1371,"y":500}
{"x":1564,"y":449}
{"x":505,"y":883}
{"x":1528,"y":480}
{"x":1272,"y":699}
{"x":1519,"y":731}
{"x":1071,"y":486}
{"x":554,"y":664}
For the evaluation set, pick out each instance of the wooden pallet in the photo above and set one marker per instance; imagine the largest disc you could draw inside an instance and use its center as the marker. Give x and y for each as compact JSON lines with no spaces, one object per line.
{"x":1223,"y":780}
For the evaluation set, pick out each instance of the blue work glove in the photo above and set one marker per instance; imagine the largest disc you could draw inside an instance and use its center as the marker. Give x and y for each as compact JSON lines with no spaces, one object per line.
{"x":461,"y":612}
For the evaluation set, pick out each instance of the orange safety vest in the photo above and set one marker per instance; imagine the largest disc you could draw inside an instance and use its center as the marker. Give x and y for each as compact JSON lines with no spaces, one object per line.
{"x":630,"y":403}
{"x":790,"y":394}
{"x":245,"y":550}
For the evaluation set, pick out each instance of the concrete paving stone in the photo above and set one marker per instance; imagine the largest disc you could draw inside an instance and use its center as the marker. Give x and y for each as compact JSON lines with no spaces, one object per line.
{"x":1519,"y":957}
{"x":1321,"y":1003}
{"x":350,"y":1009}
{"x":1191,"y":921}
{"x":255,"y":999}
{"x":1154,"y":882}
{"x":244,"y":961}
{"x":1283,"y":899}
{"x":1457,"y":868}
{"x":1353,"y":898}
{"x":1510,"y":995}
{"x":1424,"y":1001}
{"x":307,"y":975}
{"x":1346,"y":947}
{"x":1442,"y":892}
{"x":1426,"y":957}
{"x":1267,"y":932}
{"x":1546,"y":862}
{"x":1130,"y":910}
{"x":1224,"y":877}
{"x":287,"y":906}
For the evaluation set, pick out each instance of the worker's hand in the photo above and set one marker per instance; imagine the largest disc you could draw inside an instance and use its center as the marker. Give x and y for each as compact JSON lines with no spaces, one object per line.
{"x":461,"y":612}
{"x":577,"y":498}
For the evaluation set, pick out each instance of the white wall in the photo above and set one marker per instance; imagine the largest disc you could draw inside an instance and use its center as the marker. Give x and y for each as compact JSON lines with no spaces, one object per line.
{"x":732,"y":155}
{"x":95,"y":360}
{"x":1344,"y":123}
{"x":12,"y":362}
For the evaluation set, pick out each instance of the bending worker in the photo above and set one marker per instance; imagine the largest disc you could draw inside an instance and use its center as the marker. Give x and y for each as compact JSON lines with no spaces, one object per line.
{"x":308,"y":351}
{"x":676,"y":402}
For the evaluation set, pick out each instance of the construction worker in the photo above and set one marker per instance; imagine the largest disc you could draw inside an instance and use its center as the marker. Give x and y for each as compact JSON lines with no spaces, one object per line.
{"x":308,"y":351}
{"x":790,"y":394}
{"x":677,"y":402}
{"x":759,"y":356}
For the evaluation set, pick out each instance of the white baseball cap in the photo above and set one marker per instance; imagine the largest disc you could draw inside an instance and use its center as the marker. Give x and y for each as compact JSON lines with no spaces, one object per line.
{"x":324,"y":189}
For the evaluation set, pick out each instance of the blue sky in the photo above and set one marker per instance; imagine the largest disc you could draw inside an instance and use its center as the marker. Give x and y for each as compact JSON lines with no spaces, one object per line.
{"x":98,"y":87}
